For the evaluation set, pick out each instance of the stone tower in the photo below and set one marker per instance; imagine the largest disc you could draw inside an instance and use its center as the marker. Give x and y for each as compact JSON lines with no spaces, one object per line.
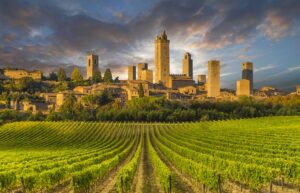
{"x":162,"y":58}
{"x":248,"y":74}
{"x":92,"y":65}
{"x":131,"y":72}
{"x":147,"y":75}
{"x":187,"y":65}
{"x":213,"y":83}
{"x":243,"y":87}
{"x":140,"y":68}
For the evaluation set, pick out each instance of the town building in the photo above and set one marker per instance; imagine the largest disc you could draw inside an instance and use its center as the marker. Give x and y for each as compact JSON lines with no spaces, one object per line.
{"x":243,"y":87}
{"x":188,"y":90}
{"x":147,"y":75}
{"x":92,"y":65}
{"x":162,"y":58}
{"x":213,"y":83}
{"x":20,"y":73}
{"x":187,"y":65}
{"x":247,"y":73}
{"x":201,"y":78}
{"x":268,"y":91}
{"x":133,"y":86}
{"x":35,"y":107}
{"x":131,"y":72}
{"x":83,"y":89}
{"x":140,"y":68}
{"x":227,"y":95}
{"x":61,"y":97}
{"x":49,"y":97}
{"x":174,"y":95}
{"x":176,"y":81}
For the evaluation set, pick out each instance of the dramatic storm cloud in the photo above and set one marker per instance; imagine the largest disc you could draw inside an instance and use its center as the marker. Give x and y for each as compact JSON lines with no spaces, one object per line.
{"x":46,"y":35}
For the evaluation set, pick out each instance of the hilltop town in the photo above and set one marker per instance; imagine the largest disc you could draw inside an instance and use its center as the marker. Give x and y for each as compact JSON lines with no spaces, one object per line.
{"x":45,"y":94}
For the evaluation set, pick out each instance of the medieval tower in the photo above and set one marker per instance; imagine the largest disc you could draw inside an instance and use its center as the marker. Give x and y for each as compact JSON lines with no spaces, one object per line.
{"x":162,"y":58}
{"x":248,"y":74}
{"x":92,"y":65}
{"x":131,"y":72}
{"x":187,"y":65}
{"x":213,"y":83}
{"x":140,"y":68}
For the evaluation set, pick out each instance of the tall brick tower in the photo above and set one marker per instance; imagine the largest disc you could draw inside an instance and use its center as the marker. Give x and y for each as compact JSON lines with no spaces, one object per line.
{"x":131,"y":72}
{"x":248,"y":74}
{"x":92,"y":65}
{"x":140,"y":68}
{"x":213,"y":83}
{"x":162,"y":58}
{"x":187,"y":65}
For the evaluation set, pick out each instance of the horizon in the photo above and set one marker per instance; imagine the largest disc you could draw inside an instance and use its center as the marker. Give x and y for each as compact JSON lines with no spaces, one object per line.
{"x":45,"y":35}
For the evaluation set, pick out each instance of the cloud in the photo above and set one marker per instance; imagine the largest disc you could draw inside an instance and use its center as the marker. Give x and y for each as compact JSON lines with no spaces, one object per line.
{"x":296,"y":68}
{"x":226,"y":74}
{"x":280,"y":19}
{"x":44,"y":34}
{"x":263,"y":68}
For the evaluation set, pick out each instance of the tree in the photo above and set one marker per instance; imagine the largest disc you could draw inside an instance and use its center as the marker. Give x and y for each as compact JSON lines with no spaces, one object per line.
{"x":90,"y":101}
{"x":61,"y":75}
{"x":116,"y":80}
{"x":52,"y":76}
{"x":141,"y":90}
{"x":61,"y":86}
{"x":70,"y":107}
{"x":28,"y":84}
{"x":76,"y":76}
{"x":107,"y":76}
{"x":97,"y":77}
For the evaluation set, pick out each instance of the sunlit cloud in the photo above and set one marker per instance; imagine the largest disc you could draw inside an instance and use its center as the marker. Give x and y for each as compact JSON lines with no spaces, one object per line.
{"x":263,"y":68}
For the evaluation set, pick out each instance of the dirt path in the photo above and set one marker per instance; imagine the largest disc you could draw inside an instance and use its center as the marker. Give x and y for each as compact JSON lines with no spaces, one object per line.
{"x":139,"y":175}
{"x":108,"y":184}
{"x":149,"y":182}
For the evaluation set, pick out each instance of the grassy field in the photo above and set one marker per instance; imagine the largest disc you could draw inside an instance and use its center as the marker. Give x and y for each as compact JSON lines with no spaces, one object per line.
{"x":250,"y":155}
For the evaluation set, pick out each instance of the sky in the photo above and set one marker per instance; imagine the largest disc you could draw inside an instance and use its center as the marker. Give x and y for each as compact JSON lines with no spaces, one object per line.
{"x":48,"y":34}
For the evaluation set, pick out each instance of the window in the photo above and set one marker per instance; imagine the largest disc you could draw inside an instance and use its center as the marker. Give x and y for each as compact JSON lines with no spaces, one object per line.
{"x":89,"y":62}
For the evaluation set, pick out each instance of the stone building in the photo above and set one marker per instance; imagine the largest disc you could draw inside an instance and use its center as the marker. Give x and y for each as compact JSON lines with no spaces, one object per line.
{"x":162,"y":58}
{"x":243,"y":87}
{"x":61,"y":97}
{"x":267,"y":91}
{"x":35,"y":107}
{"x":179,"y":80}
{"x":213,"y":83}
{"x":298,"y":90}
{"x":92,"y":65}
{"x":140,"y":68}
{"x":174,"y":95}
{"x":49,"y":97}
{"x":247,"y":73}
{"x":20,"y":73}
{"x":83,"y":89}
{"x":187,"y":65}
{"x":188,"y":90}
{"x":132,"y":88}
{"x":131,"y":72}
{"x":117,"y":90}
{"x":147,"y":75}
{"x":201,"y":78}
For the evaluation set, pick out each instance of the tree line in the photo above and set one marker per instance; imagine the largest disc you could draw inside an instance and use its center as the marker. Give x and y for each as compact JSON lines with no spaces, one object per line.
{"x":103,"y":107}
